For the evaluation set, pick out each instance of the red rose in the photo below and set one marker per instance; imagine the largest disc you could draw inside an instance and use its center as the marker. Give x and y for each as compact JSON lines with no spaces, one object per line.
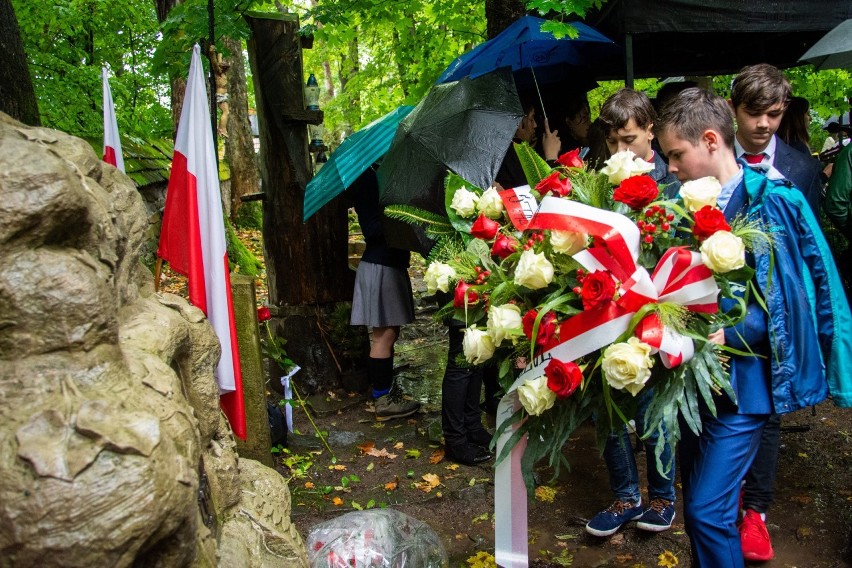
{"x":484,"y":228}
{"x":598,"y":289}
{"x":637,"y":191}
{"x":546,"y":327}
{"x":504,"y":246}
{"x":263,"y":314}
{"x":708,"y":220}
{"x":555,"y":185}
{"x":563,"y":378}
{"x":461,"y":291}
{"x":571,"y":159}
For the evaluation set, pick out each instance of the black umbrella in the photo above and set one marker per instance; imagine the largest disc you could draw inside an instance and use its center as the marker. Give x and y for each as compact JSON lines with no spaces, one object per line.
{"x":465,"y":126}
{"x":834,"y":50}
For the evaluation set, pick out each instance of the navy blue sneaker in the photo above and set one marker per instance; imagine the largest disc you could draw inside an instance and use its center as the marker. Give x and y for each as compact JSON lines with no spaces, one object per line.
{"x":607,"y":522}
{"x":658,"y":516}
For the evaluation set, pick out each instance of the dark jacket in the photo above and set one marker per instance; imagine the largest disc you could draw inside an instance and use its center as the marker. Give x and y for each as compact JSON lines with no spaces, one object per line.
{"x":661,"y":175}
{"x":801,"y":169}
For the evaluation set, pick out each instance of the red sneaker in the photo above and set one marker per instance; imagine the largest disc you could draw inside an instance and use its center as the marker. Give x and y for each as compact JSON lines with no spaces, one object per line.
{"x":754,"y":538}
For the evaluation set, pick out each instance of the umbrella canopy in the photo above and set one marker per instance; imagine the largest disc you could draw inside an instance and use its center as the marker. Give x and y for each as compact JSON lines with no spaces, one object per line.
{"x":524,"y":46}
{"x":465,"y":126}
{"x":354,"y":155}
{"x":834,"y":50}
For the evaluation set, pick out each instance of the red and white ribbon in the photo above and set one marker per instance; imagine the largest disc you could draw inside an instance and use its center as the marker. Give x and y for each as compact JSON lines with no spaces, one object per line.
{"x":679,"y":277}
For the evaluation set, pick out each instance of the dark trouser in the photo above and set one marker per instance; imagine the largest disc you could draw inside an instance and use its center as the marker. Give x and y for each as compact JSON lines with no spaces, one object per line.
{"x":460,"y":393}
{"x":760,"y":479}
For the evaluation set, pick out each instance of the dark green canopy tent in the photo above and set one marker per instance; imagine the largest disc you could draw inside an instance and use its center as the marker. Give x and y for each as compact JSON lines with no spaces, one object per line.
{"x":696,"y":37}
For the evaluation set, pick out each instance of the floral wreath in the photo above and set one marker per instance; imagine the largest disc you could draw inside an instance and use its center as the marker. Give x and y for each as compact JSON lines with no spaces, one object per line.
{"x":587,"y":287}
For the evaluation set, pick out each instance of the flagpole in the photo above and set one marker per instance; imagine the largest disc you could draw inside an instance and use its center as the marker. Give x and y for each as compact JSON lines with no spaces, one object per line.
{"x":210,"y":26}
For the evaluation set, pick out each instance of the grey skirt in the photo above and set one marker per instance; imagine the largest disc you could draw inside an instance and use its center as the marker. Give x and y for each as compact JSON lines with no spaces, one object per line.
{"x":382,"y":296}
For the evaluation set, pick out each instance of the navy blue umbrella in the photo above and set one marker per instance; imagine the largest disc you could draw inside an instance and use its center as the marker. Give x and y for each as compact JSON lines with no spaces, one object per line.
{"x":524,"y":46}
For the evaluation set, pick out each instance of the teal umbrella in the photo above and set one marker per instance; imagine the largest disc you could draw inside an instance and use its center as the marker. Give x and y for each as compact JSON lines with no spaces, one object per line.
{"x":357,"y":153}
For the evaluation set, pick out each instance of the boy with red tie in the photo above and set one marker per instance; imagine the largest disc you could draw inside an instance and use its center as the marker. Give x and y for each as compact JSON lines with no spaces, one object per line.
{"x":760,"y":95}
{"x":803,"y":357}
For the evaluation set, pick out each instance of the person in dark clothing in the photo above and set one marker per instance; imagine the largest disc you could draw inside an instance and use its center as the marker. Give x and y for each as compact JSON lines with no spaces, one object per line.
{"x":628,"y":118}
{"x":760,"y":95}
{"x":382,"y":299}
{"x":794,"y":125}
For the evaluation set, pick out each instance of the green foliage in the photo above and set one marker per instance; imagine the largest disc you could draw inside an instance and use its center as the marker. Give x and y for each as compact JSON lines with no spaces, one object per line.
{"x":250,"y":216}
{"x":239,"y":256}
{"x":68,"y":41}
{"x":381,"y":54}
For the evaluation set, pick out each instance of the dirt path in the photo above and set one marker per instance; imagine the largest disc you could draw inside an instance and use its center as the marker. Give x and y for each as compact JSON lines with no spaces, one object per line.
{"x":810,"y":523}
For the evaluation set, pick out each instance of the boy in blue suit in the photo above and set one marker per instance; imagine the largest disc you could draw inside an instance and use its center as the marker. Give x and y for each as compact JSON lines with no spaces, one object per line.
{"x":803,"y":334}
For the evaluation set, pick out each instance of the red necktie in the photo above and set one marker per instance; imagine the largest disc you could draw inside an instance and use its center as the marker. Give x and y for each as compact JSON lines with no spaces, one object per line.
{"x":753,"y":158}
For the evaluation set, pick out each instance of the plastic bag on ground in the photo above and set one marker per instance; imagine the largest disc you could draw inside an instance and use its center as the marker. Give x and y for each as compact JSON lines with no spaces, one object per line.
{"x":377,"y":538}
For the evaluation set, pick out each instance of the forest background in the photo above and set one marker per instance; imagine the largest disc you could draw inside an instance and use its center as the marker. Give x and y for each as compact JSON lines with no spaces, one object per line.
{"x":369,"y":56}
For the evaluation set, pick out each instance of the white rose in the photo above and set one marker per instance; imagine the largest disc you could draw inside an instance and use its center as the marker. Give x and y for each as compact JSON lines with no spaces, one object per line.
{"x":533,"y":271}
{"x":700,"y":192}
{"x":568,"y":242}
{"x":437,"y":277}
{"x":464,"y":202}
{"x":504,"y":321}
{"x":722,"y":252}
{"x":477,"y":346}
{"x":623,"y":165}
{"x":627,"y":366}
{"x":535,"y":396}
{"x":490,"y":204}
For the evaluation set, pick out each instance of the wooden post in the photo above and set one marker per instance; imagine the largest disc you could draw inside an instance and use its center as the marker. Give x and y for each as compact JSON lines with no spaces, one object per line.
{"x":306,"y":263}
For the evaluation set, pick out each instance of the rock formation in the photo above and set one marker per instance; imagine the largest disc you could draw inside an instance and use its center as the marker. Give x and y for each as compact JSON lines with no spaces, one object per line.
{"x":113,"y":450}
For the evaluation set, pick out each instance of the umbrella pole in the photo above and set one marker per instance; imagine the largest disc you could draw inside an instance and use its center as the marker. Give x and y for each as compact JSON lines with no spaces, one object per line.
{"x":538,"y":91}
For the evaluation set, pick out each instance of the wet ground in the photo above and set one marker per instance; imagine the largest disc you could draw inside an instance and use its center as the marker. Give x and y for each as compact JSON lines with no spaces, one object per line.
{"x":810,"y":523}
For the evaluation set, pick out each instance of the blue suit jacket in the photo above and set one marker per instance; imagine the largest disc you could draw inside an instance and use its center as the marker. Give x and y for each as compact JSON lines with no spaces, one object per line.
{"x":801,"y":169}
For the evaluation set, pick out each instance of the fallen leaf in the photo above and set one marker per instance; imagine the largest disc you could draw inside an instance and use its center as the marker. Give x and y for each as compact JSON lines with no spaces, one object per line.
{"x":309,"y":485}
{"x":371,"y":466}
{"x":366,"y":446}
{"x":412,"y":454}
{"x":460,"y":536}
{"x":398,"y":446}
{"x":624,"y":558}
{"x":391,"y":485}
{"x":545,"y":494}
{"x":338,"y":467}
{"x":617,"y":539}
{"x":383,"y":453}
{"x":667,"y":559}
{"x":430,"y":481}
{"x":437,"y":457}
{"x":453,"y":466}
{"x":337,"y":501}
{"x":802,"y":499}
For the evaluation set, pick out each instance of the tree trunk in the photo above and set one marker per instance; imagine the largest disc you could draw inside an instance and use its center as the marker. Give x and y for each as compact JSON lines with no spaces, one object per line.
{"x":17,"y":96}
{"x":177,"y":83}
{"x":501,"y":13}
{"x":239,"y":146}
{"x":349,"y":67}
{"x":306,"y":263}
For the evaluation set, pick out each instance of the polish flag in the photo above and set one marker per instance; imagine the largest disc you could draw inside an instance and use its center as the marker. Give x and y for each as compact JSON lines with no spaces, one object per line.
{"x":112,"y":143}
{"x":192,"y":238}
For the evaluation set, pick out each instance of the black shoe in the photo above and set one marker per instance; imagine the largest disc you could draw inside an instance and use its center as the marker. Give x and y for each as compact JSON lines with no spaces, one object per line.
{"x":480,"y":437}
{"x":467,"y":454}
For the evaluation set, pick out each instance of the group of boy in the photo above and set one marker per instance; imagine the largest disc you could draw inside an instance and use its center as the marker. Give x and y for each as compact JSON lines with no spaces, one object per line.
{"x":728,"y":472}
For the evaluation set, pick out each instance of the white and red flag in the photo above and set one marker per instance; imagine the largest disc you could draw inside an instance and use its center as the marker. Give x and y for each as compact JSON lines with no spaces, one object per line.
{"x":192,"y":239}
{"x":112,"y":143}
